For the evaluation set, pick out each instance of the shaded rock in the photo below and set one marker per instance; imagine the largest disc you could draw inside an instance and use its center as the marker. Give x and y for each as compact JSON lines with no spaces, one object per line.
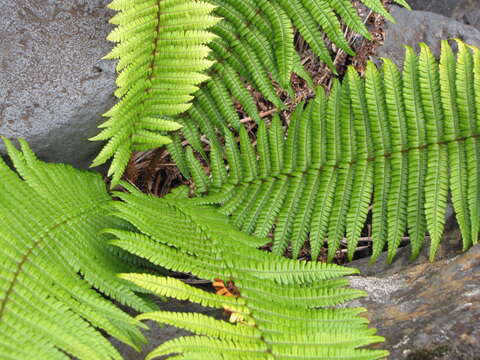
{"x":414,"y":27}
{"x":462,"y":10}
{"x":428,"y":311}
{"x":157,"y":335}
{"x":473,"y":18}
{"x":448,"y":8}
{"x":53,"y":84}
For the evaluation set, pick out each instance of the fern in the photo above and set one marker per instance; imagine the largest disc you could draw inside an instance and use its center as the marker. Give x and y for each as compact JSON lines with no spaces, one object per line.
{"x":280,"y":308}
{"x":255,"y":45}
{"x":51,"y":258}
{"x":392,"y":140}
{"x":162,"y":54}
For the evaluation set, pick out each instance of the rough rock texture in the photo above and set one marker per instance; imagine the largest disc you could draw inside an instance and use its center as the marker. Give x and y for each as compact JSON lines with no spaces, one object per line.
{"x":426,"y":311}
{"x":413,"y":27}
{"x":473,"y":17}
{"x":463,"y":10}
{"x":157,"y":335}
{"x":53,"y":84}
{"x":444,"y":7}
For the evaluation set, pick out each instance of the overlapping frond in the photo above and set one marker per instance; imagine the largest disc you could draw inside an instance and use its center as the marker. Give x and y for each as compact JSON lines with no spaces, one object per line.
{"x":162,"y":54}
{"x":55,"y":268}
{"x":163,"y":49}
{"x":281,"y":308}
{"x":395,"y":141}
{"x":255,"y":45}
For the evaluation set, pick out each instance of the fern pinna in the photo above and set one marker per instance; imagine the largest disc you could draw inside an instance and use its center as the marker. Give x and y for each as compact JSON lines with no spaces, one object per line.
{"x":395,"y":141}
{"x":283,"y":308}
{"x":162,"y":54}
{"x":255,"y":45}
{"x":54,"y":265}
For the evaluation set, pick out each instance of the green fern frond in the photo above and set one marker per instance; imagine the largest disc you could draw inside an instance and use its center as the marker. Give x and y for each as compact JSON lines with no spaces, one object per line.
{"x":255,"y":45}
{"x":162,"y":53}
{"x":283,"y":308}
{"x":55,"y":267}
{"x":392,"y":140}
{"x":164,"y":47}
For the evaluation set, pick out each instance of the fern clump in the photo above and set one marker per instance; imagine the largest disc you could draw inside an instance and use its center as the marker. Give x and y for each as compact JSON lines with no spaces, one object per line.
{"x":162,"y":55}
{"x":255,"y":45}
{"x":395,"y":141}
{"x":51,"y":259}
{"x":281,"y":308}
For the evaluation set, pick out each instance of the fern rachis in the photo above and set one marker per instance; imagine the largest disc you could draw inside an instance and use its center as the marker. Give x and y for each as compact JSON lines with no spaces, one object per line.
{"x":162,"y":55}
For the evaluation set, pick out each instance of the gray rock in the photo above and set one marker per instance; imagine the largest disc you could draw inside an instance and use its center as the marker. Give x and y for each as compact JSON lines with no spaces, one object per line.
{"x":473,"y":18}
{"x":414,"y":27}
{"x":157,"y":335}
{"x":462,"y":10}
{"x":53,"y":84}
{"x":445,"y":7}
{"x":427,"y":311}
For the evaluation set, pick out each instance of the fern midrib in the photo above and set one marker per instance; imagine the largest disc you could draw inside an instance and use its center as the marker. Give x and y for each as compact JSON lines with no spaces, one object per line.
{"x":151,"y":76}
{"x":338,"y":165}
{"x":289,"y":317}
{"x":220,"y":255}
{"x":436,"y":202}
{"x":95,"y":208}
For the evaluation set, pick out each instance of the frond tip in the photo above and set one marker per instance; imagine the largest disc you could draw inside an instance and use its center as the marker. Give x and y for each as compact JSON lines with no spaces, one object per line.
{"x":282,"y":308}
{"x":162,"y":55}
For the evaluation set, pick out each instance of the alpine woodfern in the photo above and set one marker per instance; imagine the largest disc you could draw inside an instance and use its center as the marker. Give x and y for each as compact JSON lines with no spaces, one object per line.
{"x":281,"y":308}
{"x":396,"y":141}
{"x":54,"y":265}
{"x":162,"y":54}
{"x":255,"y":45}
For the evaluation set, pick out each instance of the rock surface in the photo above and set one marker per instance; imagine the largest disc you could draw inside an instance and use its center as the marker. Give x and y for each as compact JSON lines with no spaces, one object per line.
{"x":473,"y":17}
{"x":462,"y":10}
{"x":156,"y":335}
{"x":414,"y":27}
{"x":53,"y":84}
{"x":426,"y":311}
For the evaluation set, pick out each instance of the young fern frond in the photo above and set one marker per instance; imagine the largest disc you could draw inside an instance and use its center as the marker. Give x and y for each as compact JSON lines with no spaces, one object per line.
{"x":281,"y":308}
{"x":55,"y":268}
{"x":162,"y":55}
{"x":396,"y":141}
